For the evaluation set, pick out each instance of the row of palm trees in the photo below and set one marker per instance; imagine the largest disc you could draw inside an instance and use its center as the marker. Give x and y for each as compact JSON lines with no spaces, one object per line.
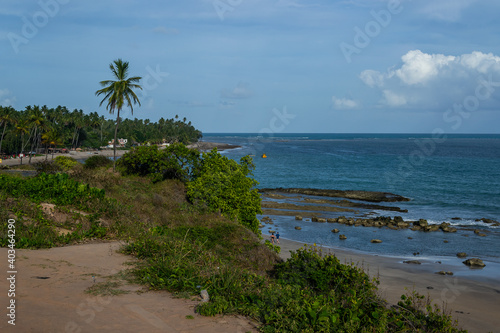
{"x":37,"y":128}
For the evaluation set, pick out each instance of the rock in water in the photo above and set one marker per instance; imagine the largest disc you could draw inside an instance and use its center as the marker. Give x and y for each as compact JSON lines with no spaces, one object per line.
{"x":376,"y":241}
{"x":415,"y":262}
{"x":342,"y":237}
{"x":335,"y":231}
{"x":298,"y":228}
{"x":461,"y":254}
{"x":298,"y":217}
{"x":474,"y":262}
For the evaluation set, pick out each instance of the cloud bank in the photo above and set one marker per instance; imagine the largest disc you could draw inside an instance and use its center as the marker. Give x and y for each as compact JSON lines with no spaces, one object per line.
{"x":431,"y":81}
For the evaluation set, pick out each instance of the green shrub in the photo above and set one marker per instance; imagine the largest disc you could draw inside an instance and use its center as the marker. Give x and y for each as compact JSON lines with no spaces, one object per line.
{"x":97,"y":161}
{"x":174,"y":162}
{"x":65,"y":163}
{"x":225,"y":186}
{"x":275,"y":248}
{"x":56,"y":188}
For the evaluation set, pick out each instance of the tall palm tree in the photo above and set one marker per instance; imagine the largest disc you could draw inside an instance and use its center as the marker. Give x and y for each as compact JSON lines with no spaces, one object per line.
{"x":118,"y":92}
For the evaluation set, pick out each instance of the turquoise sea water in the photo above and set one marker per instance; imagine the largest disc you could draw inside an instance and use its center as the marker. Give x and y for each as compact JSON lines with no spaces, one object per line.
{"x":457,"y":176}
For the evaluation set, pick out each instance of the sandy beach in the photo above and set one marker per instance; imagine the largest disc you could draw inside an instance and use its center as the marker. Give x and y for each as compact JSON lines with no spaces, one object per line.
{"x":475,"y":304}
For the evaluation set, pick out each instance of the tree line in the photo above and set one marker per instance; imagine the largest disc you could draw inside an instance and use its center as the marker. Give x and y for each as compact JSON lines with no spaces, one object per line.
{"x":38,"y":128}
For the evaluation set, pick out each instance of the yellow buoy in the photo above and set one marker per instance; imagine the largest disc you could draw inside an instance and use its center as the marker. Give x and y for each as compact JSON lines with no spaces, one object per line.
{"x":264,"y":156}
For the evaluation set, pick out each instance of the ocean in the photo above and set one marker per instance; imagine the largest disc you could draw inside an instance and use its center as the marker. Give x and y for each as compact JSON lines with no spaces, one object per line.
{"x":452,"y":178}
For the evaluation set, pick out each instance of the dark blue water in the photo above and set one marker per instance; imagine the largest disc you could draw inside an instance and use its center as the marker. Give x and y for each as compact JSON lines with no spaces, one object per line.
{"x":445,"y":177}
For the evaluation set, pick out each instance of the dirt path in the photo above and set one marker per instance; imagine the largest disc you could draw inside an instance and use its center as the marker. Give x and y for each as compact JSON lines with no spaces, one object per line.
{"x":50,"y":296}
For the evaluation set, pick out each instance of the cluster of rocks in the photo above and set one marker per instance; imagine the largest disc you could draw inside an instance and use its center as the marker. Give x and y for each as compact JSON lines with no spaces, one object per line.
{"x":386,"y":221}
{"x":266,"y":220}
{"x":493,"y":223}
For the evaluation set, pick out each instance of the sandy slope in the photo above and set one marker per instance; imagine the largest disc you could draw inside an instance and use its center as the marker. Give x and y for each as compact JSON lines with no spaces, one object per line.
{"x":58,"y":303}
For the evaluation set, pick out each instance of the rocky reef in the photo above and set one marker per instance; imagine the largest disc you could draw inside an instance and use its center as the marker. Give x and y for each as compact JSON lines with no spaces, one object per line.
{"x":368,"y":196}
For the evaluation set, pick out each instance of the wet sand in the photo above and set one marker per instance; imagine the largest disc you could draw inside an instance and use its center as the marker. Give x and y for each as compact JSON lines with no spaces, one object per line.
{"x":475,"y":303}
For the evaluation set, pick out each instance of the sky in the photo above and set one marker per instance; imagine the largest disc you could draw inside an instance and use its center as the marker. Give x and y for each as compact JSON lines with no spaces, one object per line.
{"x":266,"y":66}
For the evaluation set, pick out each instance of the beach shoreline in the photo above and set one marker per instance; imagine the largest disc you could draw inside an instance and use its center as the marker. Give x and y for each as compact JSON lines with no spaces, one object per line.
{"x":473,"y":302}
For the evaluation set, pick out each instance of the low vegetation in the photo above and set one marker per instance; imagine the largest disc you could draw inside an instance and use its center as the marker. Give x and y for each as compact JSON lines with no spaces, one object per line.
{"x":177,"y":212}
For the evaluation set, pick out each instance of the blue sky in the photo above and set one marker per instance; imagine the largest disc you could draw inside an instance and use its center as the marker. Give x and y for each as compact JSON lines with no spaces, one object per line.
{"x":265,"y":66}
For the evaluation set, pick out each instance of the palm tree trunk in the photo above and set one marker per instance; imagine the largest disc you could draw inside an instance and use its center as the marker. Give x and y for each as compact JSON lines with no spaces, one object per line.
{"x":77,"y":137}
{"x":73,"y":140}
{"x":3,"y":132}
{"x":32,"y":144}
{"x":114,"y":142}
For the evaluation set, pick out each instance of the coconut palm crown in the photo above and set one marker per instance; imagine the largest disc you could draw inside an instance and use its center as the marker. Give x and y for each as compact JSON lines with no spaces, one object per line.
{"x":119,"y":92}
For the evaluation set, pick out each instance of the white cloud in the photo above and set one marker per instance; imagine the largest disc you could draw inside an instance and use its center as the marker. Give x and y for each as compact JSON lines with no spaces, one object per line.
{"x":393,"y":99}
{"x":372,"y":78}
{"x":419,"y":67}
{"x":6,"y":98}
{"x":344,"y":103}
{"x":425,"y":80}
{"x":241,"y":91}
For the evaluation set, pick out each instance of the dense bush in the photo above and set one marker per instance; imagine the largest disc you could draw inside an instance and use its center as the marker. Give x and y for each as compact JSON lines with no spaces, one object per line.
{"x":97,"y":161}
{"x":225,"y":186}
{"x":174,"y":162}
{"x":65,"y":163}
